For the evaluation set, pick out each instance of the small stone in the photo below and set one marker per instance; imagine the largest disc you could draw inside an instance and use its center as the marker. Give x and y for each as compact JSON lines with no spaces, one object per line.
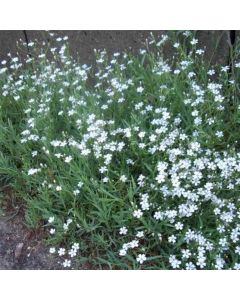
{"x":18,"y":250}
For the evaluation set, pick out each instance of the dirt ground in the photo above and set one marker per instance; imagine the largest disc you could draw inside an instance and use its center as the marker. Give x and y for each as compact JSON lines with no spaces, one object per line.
{"x":20,"y":247}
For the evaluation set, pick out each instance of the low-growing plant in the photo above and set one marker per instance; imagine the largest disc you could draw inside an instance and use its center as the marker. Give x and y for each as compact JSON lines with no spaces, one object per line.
{"x":131,"y":163}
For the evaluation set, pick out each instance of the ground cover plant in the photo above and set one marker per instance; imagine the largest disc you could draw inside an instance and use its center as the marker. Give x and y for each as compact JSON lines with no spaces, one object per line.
{"x":132,"y":163}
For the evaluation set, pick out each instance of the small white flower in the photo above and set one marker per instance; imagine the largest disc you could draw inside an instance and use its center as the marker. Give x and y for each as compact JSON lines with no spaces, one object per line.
{"x":80,"y":184}
{"x":199,"y":51}
{"x":140,"y":89}
{"x":52,"y":250}
{"x":51,"y":220}
{"x":122,"y":252}
{"x":58,"y":188}
{"x":141,"y":134}
{"x":219,"y":134}
{"x":131,"y":162}
{"x":123,"y":231}
{"x":134,"y":244}
{"x":33,"y":171}
{"x":175,"y":263}
{"x":68,"y":159}
{"x":186,"y":253}
{"x":76,"y":192}
{"x":211,"y":72}
{"x":225,"y":68}
{"x":237,"y":250}
{"x":142,"y":51}
{"x":137,"y":213}
{"x":52,"y":231}
{"x":172,"y":239}
{"x":61,"y":252}
{"x":194,"y":41}
{"x":67,"y":263}
{"x":179,"y":226}
{"x":140,"y":234}
{"x":190,"y":266}
{"x":34,"y":153}
{"x":103,"y":169}
{"x":72,"y":252}
{"x":141,"y":258}
{"x":105,"y":179}
{"x":75,"y":246}
{"x":236,"y":266}
{"x":159,"y":236}
{"x":123,"y":178}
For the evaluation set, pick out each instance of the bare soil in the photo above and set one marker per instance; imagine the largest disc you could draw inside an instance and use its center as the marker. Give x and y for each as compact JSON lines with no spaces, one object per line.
{"x":20,"y":247}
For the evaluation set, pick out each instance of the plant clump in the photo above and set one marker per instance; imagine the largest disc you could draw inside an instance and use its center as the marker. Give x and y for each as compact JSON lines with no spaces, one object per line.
{"x":131,"y":163}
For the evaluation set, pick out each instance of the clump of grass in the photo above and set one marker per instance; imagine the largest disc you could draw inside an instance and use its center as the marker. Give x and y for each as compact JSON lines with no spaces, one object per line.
{"x":140,"y":169}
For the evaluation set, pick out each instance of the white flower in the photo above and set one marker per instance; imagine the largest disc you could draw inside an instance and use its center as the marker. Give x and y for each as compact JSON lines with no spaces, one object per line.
{"x":194,"y":41}
{"x":123,"y":231}
{"x":134,"y":244}
{"x":65,"y":225}
{"x":80,"y":184}
{"x":236,"y":266}
{"x":219,"y":134}
{"x":175,"y":263}
{"x":34,"y":153}
{"x":140,"y":234}
{"x":219,"y":263}
{"x":186,"y":253}
{"x":190,"y":266}
{"x":137,"y":213}
{"x":225,"y":68}
{"x":52,"y":231}
{"x":76,"y":192}
{"x":199,"y":51}
{"x":68,"y":159}
{"x":130,"y":162}
{"x":52,"y":250}
{"x":75,"y":246}
{"x":211,"y":72}
{"x":58,"y":188}
{"x":140,"y":89}
{"x":158,"y":215}
{"x":105,"y":179}
{"x":179,"y":226}
{"x":141,"y":258}
{"x":122,"y":252}
{"x":172,"y":239}
{"x":141,"y":134}
{"x":67,"y":263}
{"x":176,"y":71}
{"x":123,"y":178}
{"x":33,"y":171}
{"x":51,"y":220}
{"x":72,"y":252}
{"x":61,"y":252}
{"x":103,"y":169}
